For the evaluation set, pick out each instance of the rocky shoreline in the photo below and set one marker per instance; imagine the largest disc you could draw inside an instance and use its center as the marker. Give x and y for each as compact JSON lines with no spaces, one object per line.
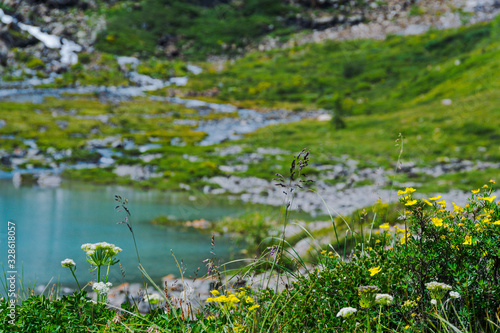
{"x":343,"y":197}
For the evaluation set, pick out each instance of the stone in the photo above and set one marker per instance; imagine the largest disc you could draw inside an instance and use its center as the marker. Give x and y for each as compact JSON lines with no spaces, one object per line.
{"x":324,"y":117}
{"x":48,"y":180}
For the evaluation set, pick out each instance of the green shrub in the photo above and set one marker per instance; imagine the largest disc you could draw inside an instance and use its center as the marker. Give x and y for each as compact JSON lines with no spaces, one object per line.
{"x":74,"y":313}
{"x":35,"y":63}
{"x":352,"y":68}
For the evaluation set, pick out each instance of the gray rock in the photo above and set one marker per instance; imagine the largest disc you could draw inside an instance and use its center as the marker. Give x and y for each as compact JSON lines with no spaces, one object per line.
{"x":231,"y":150}
{"x":48,"y":180}
{"x":136,"y":172}
{"x":234,"y":168}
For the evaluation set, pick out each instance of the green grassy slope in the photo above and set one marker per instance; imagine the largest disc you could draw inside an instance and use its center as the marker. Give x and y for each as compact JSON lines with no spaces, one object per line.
{"x":381,"y":88}
{"x":197,"y":28}
{"x":366,"y":76}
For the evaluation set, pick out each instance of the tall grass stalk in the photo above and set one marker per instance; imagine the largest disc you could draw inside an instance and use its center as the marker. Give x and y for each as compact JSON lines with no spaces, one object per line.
{"x":122,"y":203}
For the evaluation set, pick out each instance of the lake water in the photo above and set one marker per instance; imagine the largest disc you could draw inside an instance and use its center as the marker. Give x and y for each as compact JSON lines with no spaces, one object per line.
{"x":52,"y":224}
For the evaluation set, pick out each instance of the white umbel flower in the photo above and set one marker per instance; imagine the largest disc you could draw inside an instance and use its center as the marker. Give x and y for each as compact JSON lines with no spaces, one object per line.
{"x":437,"y":289}
{"x":346,"y":312}
{"x":110,"y":249}
{"x":437,"y":286}
{"x":384,"y":299}
{"x":68,"y":263}
{"x":454,"y":294}
{"x":433,"y":301}
{"x":153,"y":298}
{"x":102,"y":288}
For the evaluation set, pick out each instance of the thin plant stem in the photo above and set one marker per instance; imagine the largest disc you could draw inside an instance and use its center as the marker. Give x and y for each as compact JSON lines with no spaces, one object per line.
{"x":78,"y":284}
{"x":379,"y":316}
{"x":107,"y":274}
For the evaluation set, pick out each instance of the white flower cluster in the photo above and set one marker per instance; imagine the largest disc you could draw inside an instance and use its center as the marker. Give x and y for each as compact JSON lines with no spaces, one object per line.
{"x":153,"y":298}
{"x":437,"y":290}
{"x":68,"y":263}
{"x":433,"y":301}
{"x":102,"y":288}
{"x":454,"y":294}
{"x":437,"y":286}
{"x":384,"y":299}
{"x":110,"y":248}
{"x":346,"y":312}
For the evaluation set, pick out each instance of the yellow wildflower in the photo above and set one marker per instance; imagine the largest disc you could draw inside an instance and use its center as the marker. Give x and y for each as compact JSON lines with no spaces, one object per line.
{"x":457,"y":208}
{"x":233,"y":299}
{"x":497,"y":222}
{"x":485,"y":186}
{"x":476,"y":191}
{"x":490,"y":199}
{"x":443,"y":236}
{"x":427,"y":202}
{"x":437,"y":221}
{"x":222,"y":299}
{"x":467,"y":241}
{"x":378,"y":240}
{"x":249,"y":299}
{"x":405,"y":238}
{"x":215,"y":292}
{"x":253,"y":307}
{"x":492,"y":181}
{"x":407,"y":190}
{"x":374,"y":270}
{"x":435,"y":198}
{"x":385,"y":225}
{"x":411,"y":203}
{"x":237,"y":328}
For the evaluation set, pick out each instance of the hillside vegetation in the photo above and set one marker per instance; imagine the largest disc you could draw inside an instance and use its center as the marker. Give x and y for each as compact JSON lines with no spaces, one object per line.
{"x":440,"y":90}
{"x":365,"y":76}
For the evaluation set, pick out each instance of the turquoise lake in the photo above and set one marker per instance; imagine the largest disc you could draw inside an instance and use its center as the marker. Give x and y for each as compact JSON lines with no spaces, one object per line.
{"x":52,"y":224}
